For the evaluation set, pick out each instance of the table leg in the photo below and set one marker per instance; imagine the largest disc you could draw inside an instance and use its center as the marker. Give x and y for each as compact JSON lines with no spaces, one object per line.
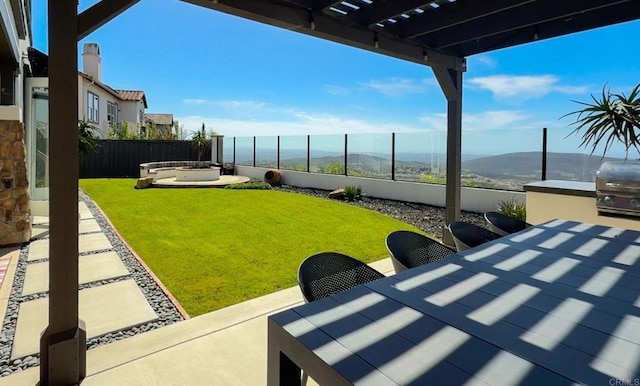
{"x":281,"y":371}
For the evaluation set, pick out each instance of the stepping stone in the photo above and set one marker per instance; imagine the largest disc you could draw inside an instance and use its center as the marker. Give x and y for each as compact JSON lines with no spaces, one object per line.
{"x":83,"y":211}
{"x":40,"y":220}
{"x":39,"y":249}
{"x":101,"y":266}
{"x":108,"y":308}
{"x":39,"y":231}
{"x":88,"y":226}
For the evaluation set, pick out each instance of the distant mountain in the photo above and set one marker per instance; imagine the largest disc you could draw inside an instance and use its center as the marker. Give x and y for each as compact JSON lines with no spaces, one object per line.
{"x":567,"y":166}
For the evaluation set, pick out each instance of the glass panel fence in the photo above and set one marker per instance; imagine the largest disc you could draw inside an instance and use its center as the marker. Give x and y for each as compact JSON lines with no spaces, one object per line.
{"x":267,"y":152}
{"x":567,"y":161}
{"x":244,"y":151}
{"x":421,"y":157}
{"x":501,"y":159}
{"x":327,"y":154}
{"x":227,"y":149}
{"x":369,"y":155}
{"x":293,"y":152}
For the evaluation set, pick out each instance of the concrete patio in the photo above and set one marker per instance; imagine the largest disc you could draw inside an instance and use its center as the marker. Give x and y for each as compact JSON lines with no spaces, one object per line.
{"x":227,"y":346}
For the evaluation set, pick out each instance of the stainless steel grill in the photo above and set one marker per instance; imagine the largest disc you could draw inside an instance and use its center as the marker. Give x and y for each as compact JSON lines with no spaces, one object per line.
{"x":618,"y":188}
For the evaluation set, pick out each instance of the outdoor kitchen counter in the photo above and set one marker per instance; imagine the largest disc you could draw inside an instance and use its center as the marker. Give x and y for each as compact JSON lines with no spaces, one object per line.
{"x":570,"y":200}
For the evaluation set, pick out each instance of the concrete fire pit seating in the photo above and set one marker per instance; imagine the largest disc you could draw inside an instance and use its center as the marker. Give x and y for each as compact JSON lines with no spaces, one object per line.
{"x":168,"y":169}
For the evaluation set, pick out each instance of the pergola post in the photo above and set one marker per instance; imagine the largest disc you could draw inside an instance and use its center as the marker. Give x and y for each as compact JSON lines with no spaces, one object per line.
{"x":450,"y":81}
{"x":63,"y":342}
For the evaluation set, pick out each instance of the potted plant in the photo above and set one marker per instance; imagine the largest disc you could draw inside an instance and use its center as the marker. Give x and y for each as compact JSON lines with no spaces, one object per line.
{"x":200,"y":141}
{"x":610,"y":118}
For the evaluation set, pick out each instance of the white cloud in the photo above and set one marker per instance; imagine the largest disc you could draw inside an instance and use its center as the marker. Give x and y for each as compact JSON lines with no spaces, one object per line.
{"x":395,"y":86}
{"x":520,"y":88}
{"x":196,"y":101}
{"x":298,"y":123}
{"x":252,"y":105}
{"x":488,"y":120}
{"x":485,"y":60}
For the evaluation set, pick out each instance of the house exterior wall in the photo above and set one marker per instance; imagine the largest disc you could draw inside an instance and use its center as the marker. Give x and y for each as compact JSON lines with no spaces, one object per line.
{"x":103,"y":97}
{"x":16,"y":32}
{"x":128,"y":111}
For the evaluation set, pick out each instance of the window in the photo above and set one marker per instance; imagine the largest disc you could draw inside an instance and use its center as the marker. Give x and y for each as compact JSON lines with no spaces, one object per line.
{"x":112,"y":113}
{"x":92,"y":107}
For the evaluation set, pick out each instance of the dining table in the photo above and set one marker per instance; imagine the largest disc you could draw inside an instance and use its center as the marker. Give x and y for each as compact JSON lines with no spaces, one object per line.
{"x":555,"y":304}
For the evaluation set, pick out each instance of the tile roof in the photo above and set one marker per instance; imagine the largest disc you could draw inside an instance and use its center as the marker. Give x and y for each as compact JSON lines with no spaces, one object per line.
{"x":159,"y":119}
{"x":125,"y":95}
{"x":133,"y":95}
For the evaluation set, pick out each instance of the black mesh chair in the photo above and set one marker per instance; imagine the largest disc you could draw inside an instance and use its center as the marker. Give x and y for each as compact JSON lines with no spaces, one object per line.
{"x":467,"y":235}
{"x":409,"y":250}
{"x":503,"y":225}
{"x":329,"y":273}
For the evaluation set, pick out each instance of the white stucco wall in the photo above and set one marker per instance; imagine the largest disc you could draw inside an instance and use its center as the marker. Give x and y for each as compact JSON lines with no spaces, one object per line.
{"x":472,"y":199}
{"x":85,"y":86}
{"x":129,"y":111}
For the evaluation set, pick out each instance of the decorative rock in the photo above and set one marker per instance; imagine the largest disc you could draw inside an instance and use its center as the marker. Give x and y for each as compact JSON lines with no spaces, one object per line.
{"x":144,"y":182}
{"x":337,"y":194}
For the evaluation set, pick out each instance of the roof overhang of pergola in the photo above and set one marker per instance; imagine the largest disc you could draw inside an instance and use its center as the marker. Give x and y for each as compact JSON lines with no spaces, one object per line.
{"x":437,"y":33}
{"x":431,"y":32}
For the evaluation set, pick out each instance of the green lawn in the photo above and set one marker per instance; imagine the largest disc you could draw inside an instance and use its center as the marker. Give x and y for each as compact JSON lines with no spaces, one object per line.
{"x":217,"y":247}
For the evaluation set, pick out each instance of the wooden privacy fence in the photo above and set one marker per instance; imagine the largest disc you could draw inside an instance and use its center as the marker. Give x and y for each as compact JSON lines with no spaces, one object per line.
{"x":122,"y":158}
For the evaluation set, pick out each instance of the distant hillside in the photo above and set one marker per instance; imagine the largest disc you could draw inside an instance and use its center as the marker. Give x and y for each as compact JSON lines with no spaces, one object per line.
{"x":559,"y":165}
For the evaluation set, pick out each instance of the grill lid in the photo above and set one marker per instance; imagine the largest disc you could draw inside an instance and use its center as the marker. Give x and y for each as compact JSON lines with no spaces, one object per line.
{"x":623,"y":172}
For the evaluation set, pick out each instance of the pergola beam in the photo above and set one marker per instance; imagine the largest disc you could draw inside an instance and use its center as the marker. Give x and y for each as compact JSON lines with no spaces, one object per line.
{"x":539,"y":12}
{"x":451,"y":15}
{"x":577,"y":23}
{"x":317,"y":24}
{"x":101,"y":13}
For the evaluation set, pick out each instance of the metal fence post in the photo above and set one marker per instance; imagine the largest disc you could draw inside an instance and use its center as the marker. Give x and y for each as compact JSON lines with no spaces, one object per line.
{"x":393,"y":156}
{"x":278,"y":155}
{"x":346,"y":150}
{"x":254,"y":151}
{"x":544,"y":154}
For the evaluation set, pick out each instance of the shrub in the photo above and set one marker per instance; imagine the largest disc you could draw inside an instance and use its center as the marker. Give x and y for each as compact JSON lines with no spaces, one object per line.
{"x":253,"y":183}
{"x":513,"y":208}
{"x":352,"y":193}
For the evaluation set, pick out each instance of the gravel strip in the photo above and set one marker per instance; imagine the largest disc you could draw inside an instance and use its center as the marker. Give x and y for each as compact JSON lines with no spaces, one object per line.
{"x":429,"y":219}
{"x":157,"y":299}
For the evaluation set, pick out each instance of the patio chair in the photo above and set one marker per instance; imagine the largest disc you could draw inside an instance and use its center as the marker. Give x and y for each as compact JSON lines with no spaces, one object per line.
{"x":467,"y":235}
{"x":409,"y":250}
{"x":503,"y":225}
{"x":329,"y":273}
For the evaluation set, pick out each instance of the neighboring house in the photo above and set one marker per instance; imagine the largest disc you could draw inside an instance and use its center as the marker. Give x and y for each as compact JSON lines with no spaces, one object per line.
{"x":105,"y":107}
{"x":15,"y":38}
{"x":160,"y":122}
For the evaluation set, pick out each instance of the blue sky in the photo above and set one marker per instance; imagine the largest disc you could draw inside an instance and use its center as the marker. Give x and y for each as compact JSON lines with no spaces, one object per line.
{"x":245,"y":78}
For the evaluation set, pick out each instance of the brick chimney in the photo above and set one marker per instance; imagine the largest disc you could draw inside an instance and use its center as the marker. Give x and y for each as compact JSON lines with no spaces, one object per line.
{"x":91,"y":61}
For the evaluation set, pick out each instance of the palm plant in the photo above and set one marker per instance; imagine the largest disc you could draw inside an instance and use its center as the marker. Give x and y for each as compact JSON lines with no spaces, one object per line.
{"x":87,"y":138}
{"x":612,"y":118}
{"x":200,"y":141}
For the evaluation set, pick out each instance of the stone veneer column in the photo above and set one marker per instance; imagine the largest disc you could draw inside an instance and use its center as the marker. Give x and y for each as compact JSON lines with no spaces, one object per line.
{"x":15,"y":211}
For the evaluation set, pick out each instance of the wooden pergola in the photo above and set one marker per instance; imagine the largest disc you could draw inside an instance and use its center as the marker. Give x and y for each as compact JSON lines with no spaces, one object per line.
{"x":438,"y":33}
